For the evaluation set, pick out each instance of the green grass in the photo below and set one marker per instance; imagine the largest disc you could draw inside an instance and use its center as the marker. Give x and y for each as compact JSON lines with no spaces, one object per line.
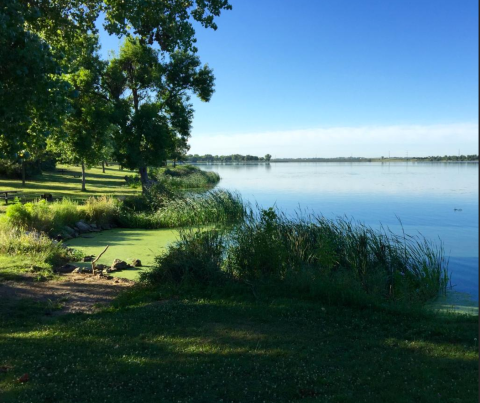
{"x":111,"y":182}
{"x":205,"y":346}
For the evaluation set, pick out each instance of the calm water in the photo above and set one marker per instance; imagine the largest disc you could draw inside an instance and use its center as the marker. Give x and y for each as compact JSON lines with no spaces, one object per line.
{"x":423,"y":195}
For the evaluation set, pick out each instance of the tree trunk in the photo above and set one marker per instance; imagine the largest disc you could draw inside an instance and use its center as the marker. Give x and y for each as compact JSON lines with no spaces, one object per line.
{"x":103,"y":166}
{"x":83,"y":177}
{"x":23,"y":172}
{"x":143,"y":178}
{"x":174,"y":163}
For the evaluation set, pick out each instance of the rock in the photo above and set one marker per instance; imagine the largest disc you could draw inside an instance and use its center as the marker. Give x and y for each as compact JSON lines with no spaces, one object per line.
{"x":119,"y":265}
{"x":67,"y":230}
{"x":93,"y":226}
{"x":76,"y":234}
{"x":105,"y":226}
{"x":78,"y":270}
{"x":68,"y":268}
{"x":64,"y":236}
{"x":88,"y":258}
{"x":136,"y":263}
{"x":101,"y":266}
{"x":82,"y":227}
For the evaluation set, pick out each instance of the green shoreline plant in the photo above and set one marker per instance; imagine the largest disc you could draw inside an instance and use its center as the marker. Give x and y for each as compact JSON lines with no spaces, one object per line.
{"x":335,"y":260}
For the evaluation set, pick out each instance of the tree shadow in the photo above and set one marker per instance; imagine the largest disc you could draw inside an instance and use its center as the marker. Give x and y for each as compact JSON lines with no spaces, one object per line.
{"x":211,"y":349}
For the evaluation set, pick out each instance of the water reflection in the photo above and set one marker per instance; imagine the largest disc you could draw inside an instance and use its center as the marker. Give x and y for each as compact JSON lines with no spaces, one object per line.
{"x":423,"y":195}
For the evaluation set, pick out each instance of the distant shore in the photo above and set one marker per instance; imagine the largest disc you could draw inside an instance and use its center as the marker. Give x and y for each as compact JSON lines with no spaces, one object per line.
{"x":346,"y":160}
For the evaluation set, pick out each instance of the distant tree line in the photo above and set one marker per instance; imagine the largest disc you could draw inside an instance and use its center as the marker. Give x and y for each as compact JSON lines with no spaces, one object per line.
{"x":472,"y":157}
{"x":238,"y":158}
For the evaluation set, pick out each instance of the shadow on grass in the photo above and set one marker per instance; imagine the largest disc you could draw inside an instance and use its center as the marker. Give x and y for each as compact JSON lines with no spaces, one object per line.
{"x":210,"y":349}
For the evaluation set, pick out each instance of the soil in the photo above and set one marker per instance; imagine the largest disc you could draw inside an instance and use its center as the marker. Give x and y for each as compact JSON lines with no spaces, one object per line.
{"x":74,"y":292}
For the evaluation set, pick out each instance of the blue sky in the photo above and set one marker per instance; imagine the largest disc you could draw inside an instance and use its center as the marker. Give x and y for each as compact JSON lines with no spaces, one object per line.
{"x":303,"y":78}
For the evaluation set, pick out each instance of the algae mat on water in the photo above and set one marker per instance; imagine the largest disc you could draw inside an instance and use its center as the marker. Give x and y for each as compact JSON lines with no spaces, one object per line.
{"x":125,"y":244}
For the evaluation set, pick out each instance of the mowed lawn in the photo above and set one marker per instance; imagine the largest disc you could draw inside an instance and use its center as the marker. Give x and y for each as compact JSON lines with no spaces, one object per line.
{"x":68,"y":184}
{"x":203,"y":348}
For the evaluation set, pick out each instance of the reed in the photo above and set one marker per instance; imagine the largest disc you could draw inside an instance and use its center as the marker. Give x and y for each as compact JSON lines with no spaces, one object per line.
{"x":310,"y":255}
{"x":186,"y":177}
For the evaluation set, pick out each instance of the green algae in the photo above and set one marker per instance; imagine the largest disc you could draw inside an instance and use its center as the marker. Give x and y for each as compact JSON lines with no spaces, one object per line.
{"x":125,"y":244}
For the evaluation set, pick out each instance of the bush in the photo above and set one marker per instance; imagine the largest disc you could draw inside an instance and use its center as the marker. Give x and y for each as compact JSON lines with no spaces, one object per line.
{"x":50,"y":218}
{"x":101,"y":210}
{"x":37,"y":246}
{"x":195,"y":259}
{"x":186,"y":177}
{"x":13,"y":169}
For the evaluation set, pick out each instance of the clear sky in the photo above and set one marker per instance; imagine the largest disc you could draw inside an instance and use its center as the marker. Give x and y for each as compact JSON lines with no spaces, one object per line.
{"x":326,"y":78}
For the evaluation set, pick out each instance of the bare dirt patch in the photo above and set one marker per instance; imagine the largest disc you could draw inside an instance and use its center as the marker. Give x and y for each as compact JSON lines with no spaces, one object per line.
{"x":75,"y":292}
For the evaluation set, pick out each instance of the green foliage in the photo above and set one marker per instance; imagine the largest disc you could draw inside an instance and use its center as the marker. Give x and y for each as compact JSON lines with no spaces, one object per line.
{"x":31,"y":92}
{"x":38,"y":247}
{"x":213,"y":207}
{"x":101,"y":210}
{"x":334,"y":260}
{"x":186,"y":177}
{"x":50,"y":218}
{"x":196,"y":259}
{"x":40,"y":216}
{"x":154,"y":122}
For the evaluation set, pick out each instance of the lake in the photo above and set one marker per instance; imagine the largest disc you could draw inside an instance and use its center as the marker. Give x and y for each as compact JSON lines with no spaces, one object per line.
{"x":439,"y":200}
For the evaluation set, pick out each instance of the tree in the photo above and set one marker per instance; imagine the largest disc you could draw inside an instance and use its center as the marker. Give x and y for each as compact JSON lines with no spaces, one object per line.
{"x":268,"y":157}
{"x":36,"y":37}
{"x":179,"y":152}
{"x":152,"y":102}
{"x":83,"y":136}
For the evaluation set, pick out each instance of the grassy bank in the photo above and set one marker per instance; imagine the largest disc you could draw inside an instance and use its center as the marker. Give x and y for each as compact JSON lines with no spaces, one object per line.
{"x":186,"y":177}
{"x":210,"y":346}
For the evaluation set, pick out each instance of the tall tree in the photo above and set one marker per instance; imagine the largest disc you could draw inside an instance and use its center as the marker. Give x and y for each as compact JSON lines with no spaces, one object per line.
{"x":83,"y":137}
{"x":35,"y":36}
{"x":152,"y":97}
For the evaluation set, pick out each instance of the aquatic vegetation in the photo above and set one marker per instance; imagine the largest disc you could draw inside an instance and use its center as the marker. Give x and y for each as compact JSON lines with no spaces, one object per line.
{"x":312,"y":256}
{"x":186,"y":177}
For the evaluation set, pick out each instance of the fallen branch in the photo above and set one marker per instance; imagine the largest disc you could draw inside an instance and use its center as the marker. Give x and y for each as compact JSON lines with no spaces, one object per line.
{"x":94,"y":261}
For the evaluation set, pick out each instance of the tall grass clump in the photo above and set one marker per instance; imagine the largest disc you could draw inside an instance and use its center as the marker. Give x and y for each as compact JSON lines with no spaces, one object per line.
{"x":42,"y":216}
{"x":212,"y":207}
{"x":186,"y":177}
{"x":38,"y":247}
{"x":101,"y":210}
{"x":50,"y":218}
{"x":195,"y":259}
{"x":180,"y":210}
{"x":338,"y":260}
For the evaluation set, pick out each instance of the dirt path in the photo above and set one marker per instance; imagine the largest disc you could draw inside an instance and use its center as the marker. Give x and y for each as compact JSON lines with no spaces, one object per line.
{"x":75,"y":292}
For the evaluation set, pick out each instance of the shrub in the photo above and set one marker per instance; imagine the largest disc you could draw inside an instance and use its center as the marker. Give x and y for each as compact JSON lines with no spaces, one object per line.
{"x":101,"y":210}
{"x":195,"y":259}
{"x":186,"y":177}
{"x":37,"y":246}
